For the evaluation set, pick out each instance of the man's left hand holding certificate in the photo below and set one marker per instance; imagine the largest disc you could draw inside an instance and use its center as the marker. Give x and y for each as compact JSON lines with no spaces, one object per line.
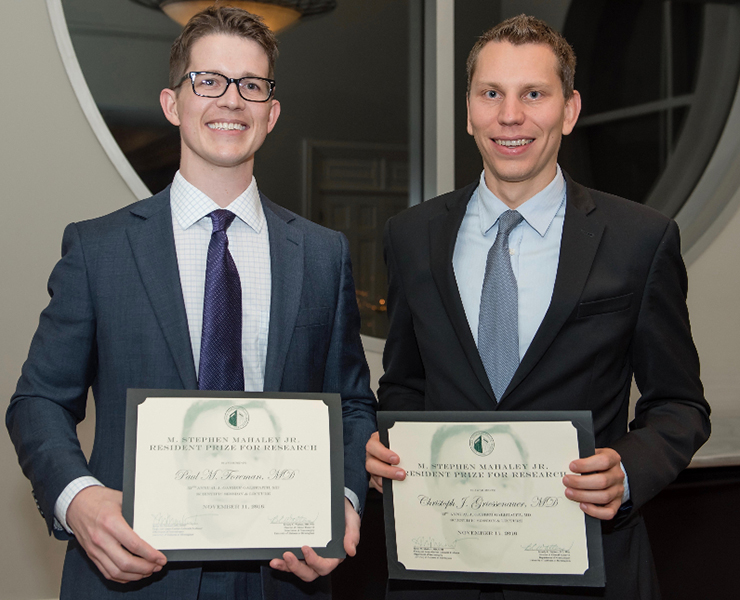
{"x":230,"y":475}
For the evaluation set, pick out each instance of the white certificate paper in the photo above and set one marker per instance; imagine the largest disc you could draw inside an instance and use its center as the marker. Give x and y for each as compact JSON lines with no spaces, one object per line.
{"x":487,"y":497}
{"x":232,"y":473}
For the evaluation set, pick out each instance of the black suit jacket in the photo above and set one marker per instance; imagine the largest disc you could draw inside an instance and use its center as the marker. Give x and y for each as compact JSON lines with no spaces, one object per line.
{"x":618,"y":309}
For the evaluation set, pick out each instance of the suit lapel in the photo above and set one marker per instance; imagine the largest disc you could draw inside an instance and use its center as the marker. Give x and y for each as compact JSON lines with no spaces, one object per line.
{"x":153,"y":246}
{"x":442,"y":238}
{"x":286,"y":260}
{"x":582,"y":231}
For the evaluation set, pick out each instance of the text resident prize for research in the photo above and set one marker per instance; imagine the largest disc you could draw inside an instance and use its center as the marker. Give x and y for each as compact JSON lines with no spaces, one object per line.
{"x":483,"y":499}
{"x":232,"y":475}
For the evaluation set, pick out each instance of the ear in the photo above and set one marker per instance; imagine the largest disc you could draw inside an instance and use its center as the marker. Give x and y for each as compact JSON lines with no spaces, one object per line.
{"x":572,"y":110}
{"x":467,"y":103}
{"x":168,"y":101}
{"x":274,"y":114}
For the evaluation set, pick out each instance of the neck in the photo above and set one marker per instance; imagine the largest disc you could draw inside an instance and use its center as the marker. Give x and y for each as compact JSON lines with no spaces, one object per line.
{"x":221,"y":184}
{"x":516,"y":193}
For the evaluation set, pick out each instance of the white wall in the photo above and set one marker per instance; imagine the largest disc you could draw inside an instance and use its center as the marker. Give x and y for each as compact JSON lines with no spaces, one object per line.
{"x":52,"y":171}
{"x":714,"y":306}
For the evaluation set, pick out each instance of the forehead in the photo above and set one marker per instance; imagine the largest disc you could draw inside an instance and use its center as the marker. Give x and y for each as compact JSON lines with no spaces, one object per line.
{"x":504,"y":62}
{"x":231,"y":55}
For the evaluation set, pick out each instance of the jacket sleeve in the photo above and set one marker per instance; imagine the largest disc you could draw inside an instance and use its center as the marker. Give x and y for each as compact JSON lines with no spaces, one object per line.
{"x":51,"y":395}
{"x":347,"y":372}
{"x":671,"y":417}
{"x":403,"y":383}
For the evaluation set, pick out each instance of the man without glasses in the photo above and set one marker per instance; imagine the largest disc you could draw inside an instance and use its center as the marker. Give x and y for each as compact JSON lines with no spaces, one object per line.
{"x":527,"y":291}
{"x":205,"y":285}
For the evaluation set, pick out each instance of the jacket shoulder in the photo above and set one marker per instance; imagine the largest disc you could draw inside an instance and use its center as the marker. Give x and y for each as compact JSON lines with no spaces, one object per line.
{"x":118,"y":219}
{"x":614,"y":206}
{"x":309,"y":228}
{"x":429,"y":209}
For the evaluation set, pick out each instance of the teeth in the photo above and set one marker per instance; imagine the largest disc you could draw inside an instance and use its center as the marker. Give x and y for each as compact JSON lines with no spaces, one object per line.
{"x":513,"y":143}
{"x":226,"y":126}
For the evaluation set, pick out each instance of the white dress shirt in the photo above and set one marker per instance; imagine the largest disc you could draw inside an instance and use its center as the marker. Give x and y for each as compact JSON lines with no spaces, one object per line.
{"x":249,"y":245}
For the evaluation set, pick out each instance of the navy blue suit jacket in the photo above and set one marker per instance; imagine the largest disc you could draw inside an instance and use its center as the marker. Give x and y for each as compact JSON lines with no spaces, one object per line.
{"x":116,"y":320}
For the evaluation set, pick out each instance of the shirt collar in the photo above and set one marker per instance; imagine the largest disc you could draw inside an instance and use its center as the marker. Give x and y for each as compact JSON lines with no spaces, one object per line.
{"x":539,"y":211}
{"x":190,"y":205}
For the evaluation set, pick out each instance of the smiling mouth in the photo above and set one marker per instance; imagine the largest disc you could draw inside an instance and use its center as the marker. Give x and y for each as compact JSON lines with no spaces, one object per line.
{"x":226,"y":126}
{"x":513,"y":143}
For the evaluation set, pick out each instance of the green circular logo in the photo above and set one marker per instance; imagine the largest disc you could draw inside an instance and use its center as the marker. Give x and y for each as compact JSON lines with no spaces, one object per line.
{"x":236,"y":417}
{"x":481,"y":443}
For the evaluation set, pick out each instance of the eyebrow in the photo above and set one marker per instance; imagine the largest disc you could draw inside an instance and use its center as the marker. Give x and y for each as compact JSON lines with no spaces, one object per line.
{"x":247,"y":74}
{"x":531,"y":84}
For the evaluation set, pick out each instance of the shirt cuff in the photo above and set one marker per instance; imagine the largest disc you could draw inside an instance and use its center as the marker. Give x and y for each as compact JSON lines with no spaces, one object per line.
{"x":626,"y":493}
{"x":68,"y":494}
{"x":353,"y":500}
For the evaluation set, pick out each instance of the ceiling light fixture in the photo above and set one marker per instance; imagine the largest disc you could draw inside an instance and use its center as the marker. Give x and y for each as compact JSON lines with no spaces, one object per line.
{"x":277,"y":14}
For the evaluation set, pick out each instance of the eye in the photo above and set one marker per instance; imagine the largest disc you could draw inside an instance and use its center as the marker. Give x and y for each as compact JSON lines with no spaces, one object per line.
{"x":534,"y":95}
{"x":491,"y":94}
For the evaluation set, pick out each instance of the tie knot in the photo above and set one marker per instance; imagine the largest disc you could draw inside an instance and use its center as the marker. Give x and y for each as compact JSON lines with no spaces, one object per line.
{"x":507,"y":221}
{"x":221,"y":219}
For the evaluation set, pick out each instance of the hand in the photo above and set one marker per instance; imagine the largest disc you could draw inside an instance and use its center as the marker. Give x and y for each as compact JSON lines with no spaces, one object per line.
{"x":600,"y":491}
{"x":314,"y":565}
{"x":379,"y":462}
{"x":94,"y":515}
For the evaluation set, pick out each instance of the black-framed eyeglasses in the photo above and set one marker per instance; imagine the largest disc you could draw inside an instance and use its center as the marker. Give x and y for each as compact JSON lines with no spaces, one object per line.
{"x":214,"y":85}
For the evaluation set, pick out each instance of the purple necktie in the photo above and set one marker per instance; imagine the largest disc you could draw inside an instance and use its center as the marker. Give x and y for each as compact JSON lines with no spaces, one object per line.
{"x":221,"y":365}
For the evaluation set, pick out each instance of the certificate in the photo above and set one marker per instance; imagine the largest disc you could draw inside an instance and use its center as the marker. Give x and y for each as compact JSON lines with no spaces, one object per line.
{"x":233,"y":475}
{"x":483,"y":499}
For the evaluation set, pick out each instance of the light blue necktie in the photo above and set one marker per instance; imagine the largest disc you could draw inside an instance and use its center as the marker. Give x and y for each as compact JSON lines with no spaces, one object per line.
{"x":498,"y":324}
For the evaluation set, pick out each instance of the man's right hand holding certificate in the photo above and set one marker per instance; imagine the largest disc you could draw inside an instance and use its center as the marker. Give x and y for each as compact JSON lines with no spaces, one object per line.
{"x":597,"y":483}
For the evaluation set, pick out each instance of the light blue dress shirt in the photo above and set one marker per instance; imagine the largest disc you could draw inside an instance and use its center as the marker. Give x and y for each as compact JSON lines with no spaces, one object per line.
{"x":534,"y":246}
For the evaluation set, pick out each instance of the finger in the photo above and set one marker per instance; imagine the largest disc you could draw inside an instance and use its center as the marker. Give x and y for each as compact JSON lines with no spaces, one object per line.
{"x":121,"y":565}
{"x":319,"y":564}
{"x":377,"y":449}
{"x":351,"y":528}
{"x":595,"y":481}
{"x":134,"y":544}
{"x":599,"y":497}
{"x":376,"y":482}
{"x":602,"y":460}
{"x":114,"y":561}
{"x":279,"y":565}
{"x":298,"y":568}
{"x":132,"y":556}
{"x":382,"y":469}
{"x":604,"y":513}
{"x":114,"y":566}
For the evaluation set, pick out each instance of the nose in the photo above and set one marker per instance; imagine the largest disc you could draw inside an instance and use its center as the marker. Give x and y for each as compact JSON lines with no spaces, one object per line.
{"x":511,"y":111}
{"x":231,"y":98}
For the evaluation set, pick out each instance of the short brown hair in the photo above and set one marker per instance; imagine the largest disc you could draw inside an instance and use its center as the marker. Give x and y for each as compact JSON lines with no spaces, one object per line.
{"x":525,"y":29}
{"x":220,"y":20}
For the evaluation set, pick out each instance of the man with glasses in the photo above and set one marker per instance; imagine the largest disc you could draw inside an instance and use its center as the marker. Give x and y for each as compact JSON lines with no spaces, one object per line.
{"x":206,"y":285}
